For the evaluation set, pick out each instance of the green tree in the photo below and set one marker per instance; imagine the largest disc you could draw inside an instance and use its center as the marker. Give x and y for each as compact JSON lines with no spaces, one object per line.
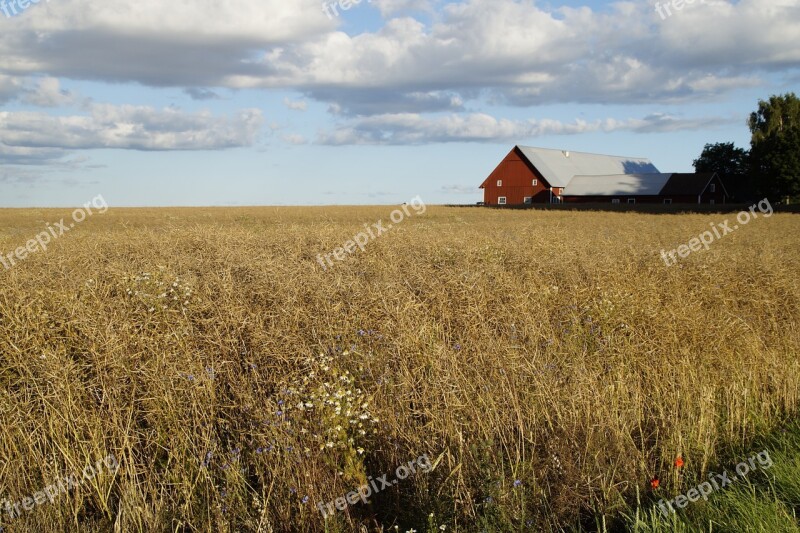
{"x":775,"y":145}
{"x":774,"y":117}
{"x":723,"y":158}
{"x":775,"y":163}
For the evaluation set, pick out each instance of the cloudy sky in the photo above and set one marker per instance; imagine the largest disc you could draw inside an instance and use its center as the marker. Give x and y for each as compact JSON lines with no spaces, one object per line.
{"x":275,"y":102}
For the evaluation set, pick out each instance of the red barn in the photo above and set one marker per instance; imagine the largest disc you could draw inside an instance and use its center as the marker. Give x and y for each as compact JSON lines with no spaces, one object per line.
{"x":529,"y":175}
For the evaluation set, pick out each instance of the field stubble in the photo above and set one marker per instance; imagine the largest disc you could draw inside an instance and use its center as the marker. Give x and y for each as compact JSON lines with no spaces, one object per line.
{"x":547,"y":362}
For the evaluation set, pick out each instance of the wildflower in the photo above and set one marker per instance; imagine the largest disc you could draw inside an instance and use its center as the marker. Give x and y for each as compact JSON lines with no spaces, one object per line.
{"x":517,"y":483}
{"x":305,"y":499}
{"x":207,"y":460}
{"x":655,"y":482}
{"x":360,"y":451}
{"x":679,"y":462}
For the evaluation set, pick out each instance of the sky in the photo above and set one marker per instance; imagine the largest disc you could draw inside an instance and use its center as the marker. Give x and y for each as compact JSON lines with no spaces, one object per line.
{"x":303,"y":102}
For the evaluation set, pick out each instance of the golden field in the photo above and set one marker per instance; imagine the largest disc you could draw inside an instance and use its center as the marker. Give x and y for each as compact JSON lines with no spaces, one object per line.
{"x":547,"y":362}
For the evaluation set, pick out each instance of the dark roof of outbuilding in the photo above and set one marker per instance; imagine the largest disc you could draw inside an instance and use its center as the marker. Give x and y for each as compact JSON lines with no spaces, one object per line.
{"x":686,"y":184}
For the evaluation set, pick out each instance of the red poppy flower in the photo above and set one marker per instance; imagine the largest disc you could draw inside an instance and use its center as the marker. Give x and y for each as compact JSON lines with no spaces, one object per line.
{"x":655,"y":482}
{"x":679,"y":462}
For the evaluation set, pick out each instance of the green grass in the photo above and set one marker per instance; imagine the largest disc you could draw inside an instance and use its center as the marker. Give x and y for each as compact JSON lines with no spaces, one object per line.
{"x":765,"y":500}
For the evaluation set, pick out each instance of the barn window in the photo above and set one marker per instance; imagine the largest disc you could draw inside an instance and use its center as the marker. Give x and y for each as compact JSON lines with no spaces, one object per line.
{"x":615,"y":200}
{"x":713,"y":187}
{"x":528,"y":200}
{"x":667,"y":201}
{"x":499,"y":183}
{"x":534,"y":183}
{"x":501,"y":200}
{"x":631,"y":200}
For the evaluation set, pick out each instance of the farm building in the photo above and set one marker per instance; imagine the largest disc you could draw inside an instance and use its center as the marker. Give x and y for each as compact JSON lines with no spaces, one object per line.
{"x":530,"y":175}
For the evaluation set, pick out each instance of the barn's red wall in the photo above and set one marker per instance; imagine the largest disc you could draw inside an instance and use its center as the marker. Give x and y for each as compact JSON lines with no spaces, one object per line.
{"x":517,"y":176}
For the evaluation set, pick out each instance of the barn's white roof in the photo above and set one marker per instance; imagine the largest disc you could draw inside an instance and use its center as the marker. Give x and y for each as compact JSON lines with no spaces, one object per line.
{"x":617,"y":185}
{"x":559,"y":166}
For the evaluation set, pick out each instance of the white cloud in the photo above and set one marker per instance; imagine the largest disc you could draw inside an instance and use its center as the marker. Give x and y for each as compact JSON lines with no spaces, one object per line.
{"x":48,"y":93}
{"x":409,"y":128}
{"x":10,"y":88}
{"x":392,"y":7}
{"x":294,"y":138}
{"x":460,"y":189}
{"x":30,"y":137}
{"x":516,"y":51}
{"x":295,"y":105}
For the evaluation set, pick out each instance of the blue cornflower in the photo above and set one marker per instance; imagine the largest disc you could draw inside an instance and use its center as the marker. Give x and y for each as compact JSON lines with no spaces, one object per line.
{"x":207,"y":460}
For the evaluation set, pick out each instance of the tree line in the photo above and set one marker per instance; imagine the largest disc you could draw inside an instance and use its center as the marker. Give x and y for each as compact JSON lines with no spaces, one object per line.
{"x":771,"y":167}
